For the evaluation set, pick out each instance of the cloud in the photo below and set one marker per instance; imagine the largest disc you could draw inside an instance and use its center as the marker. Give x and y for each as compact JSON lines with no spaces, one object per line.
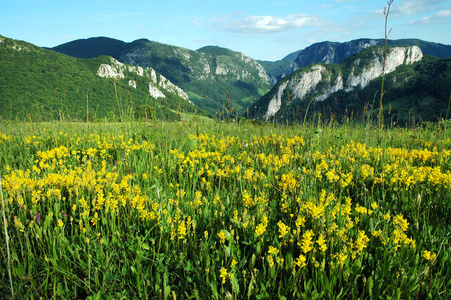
{"x":437,"y":17}
{"x":444,"y":13}
{"x":411,"y":7}
{"x":414,"y":7}
{"x":264,"y":24}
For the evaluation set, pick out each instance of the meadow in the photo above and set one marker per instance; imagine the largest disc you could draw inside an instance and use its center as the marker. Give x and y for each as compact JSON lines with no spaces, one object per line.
{"x":211,"y":210}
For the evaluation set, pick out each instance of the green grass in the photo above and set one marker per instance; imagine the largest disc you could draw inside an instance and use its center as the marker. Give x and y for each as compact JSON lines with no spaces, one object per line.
{"x":212,"y":210}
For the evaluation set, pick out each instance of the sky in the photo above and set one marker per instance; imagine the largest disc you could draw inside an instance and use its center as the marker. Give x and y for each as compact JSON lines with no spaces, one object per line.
{"x":261,"y":29}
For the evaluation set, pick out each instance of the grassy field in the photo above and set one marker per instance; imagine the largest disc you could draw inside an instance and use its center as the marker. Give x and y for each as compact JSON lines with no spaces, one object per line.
{"x":209,"y":210}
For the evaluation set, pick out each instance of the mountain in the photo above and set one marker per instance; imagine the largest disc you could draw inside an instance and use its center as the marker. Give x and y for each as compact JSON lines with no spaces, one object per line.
{"x":42,"y":84}
{"x":208,"y":75}
{"x":414,"y":84}
{"x":335,"y":53}
{"x":277,"y":69}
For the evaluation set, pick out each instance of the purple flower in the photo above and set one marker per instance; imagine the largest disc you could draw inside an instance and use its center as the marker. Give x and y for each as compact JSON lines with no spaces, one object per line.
{"x":38,"y":217}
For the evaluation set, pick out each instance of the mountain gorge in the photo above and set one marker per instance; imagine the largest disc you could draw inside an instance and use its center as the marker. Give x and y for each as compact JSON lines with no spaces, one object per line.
{"x":208,"y":75}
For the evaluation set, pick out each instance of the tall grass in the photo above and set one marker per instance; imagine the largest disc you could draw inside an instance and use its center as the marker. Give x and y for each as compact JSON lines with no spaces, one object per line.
{"x":216,"y":210}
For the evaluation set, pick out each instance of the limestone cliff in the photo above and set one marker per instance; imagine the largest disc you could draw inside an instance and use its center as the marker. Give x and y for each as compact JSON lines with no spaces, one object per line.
{"x":323,"y":80}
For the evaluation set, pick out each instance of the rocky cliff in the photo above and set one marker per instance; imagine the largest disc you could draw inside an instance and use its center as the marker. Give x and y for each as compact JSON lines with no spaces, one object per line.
{"x":322,"y":80}
{"x":336,"y":52}
{"x":157,"y":82}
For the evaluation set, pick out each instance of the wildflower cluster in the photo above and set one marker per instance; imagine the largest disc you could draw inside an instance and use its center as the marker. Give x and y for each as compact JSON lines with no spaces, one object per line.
{"x":230,"y":212}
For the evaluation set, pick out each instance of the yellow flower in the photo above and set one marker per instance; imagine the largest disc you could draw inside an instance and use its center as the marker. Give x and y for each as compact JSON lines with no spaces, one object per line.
{"x":247,"y":199}
{"x":300,"y":261}
{"x":222,"y":236}
{"x":377,"y":233}
{"x":429,"y":255}
{"x":233,"y":263}
{"x":361,"y":242}
{"x":273,"y":250}
{"x":306,"y":244}
{"x":341,"y":259}
{"x":283,"y":229}
{"x":60,"y":223}
{"x":223,"y":275}
{"x":401,"y":222}
{"x":182,"y":230}
{"x":260,"y":229}
{"x":322,"y":243}
{"x":300,"y":221}
{"x":18,"y":224}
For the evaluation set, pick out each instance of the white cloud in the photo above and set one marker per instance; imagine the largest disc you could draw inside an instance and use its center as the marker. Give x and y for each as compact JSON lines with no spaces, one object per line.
{"x":411,"y":7}
{"x":444,"y":13}
{"x":416,"y":6}
{"x":264,"y":24}
{"x":437,"y":17}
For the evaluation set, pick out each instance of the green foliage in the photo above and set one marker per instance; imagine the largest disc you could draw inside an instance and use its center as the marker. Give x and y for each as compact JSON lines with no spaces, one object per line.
{"x":38,"y":84}
{"x":208,"y":72}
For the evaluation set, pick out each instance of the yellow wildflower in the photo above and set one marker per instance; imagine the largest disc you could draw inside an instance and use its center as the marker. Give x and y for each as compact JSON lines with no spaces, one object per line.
{"x":306,"y":244}
{"x":283,"y":229}
{"x":322,"y":243}
{"x":300,"y":261}
{"x":222,"y":236}
{"x":429,"y":255}
{"x":223,"y":275}
{"x":273,"y":250}
{"x":233,"y":263}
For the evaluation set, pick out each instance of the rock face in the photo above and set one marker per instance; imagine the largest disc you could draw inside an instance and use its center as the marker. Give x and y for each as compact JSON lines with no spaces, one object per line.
{"x":358,"y":71}
{"x":396,"y":57}
{"x":328,"y":53}
{"x":157,"y":82}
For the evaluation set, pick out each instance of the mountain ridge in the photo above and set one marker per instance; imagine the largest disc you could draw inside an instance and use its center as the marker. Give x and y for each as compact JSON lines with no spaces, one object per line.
{"x":208,"y":75}
{"x":356,"y":81}
{"x":337,"y":52}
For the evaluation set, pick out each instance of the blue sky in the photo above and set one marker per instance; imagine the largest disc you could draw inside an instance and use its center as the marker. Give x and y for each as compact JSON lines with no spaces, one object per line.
{"x":261,"y":29}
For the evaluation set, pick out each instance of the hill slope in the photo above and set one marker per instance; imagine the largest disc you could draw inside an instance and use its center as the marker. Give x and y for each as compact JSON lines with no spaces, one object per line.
{"x":207,"y":75}
{"x":46,"y":85}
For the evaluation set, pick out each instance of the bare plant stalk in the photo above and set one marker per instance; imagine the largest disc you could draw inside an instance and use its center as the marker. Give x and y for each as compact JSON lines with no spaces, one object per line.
{"x":381,"y":115}
{"x":7,"y":239}
{"x":117,"y":98}
{"x":87,"y":107}
{"x":447,"y":111}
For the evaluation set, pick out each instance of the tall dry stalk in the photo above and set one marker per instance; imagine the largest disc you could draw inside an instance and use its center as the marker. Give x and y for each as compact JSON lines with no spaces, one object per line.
{"x":380,"y":119}
{"x":7,"y":239}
